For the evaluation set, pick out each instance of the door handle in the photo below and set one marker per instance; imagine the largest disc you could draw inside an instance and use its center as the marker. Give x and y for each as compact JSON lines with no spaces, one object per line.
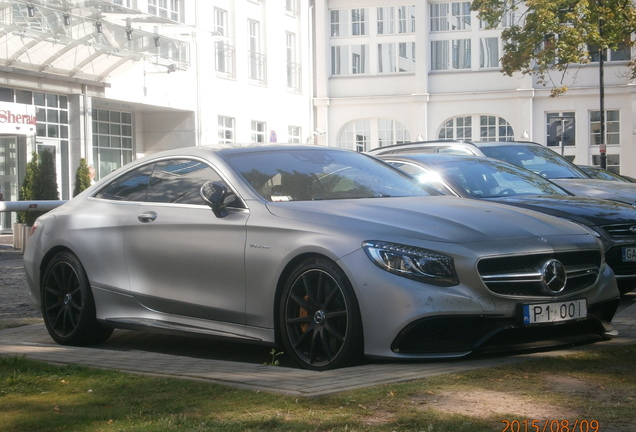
{"x":147,"y":216}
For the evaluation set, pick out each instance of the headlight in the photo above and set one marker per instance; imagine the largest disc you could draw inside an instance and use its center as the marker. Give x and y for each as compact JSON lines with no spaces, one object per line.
{"x":411,"y":262}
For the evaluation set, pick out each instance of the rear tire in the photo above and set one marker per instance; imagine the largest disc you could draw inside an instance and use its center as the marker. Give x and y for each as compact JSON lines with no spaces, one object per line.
{"x":68,"y":306}
{"x":319,"y":317}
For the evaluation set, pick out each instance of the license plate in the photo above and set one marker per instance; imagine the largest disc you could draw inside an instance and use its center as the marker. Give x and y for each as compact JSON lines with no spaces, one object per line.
{"x":629,"y":254}
{"x":554,"y":312}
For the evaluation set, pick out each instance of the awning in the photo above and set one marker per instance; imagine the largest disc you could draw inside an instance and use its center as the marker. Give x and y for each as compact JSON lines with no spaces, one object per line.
{"x":60,"y":38}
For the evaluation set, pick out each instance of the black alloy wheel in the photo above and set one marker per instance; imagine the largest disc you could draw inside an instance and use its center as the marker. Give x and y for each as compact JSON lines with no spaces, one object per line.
{"x":320,"y":320}
{"x":68,"y":307}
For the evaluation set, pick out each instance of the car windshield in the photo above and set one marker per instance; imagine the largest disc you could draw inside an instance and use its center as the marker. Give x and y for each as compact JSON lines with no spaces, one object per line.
{"x":321,"y":174}
{"x":487,"y":179}
{"x":603,"y":174}
{"x":538,"y":159}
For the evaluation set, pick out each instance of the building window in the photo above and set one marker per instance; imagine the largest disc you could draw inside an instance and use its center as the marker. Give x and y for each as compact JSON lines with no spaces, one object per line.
{"x":225,"y":130}
{"x":508,"y":17}
{"x":359,"y":22}
{"x":493,"y":128}
{"x":338,"y":23}
{"x":125,"y":3}
{"x":457,"y":128}
{"x":486,"y":127}
{"x":406,"y":19}
{"x":450,"y":16}
{"x":356,"y":136}
{"x":391,"y":132}
{"x":392,"y":20}
{"x":112,"y":140}
{"x":256,"y":59}
{"x":164,"y":9}
{"x":293,"y":134}
{"x":224,"y":52}
{"x":258,"y":131}
{"x":291,"y":7}
{"x":451,"y":54}
{"x":488,"y":52}
{"x":363,"y":135}
{"x":396,"y":57}
{"x":386,"y":20}
{"x":460,"y":16}
{"x":51,"y":115}
{"x":560,"y":128}
{"x":612,"y":127}
{"x":439,"y":17}
{"x":349,"y":22}
{"x":612,"y":162}
{"x":347,"y":60}
{"x":622,"y":53}
{"x":293,"y":68}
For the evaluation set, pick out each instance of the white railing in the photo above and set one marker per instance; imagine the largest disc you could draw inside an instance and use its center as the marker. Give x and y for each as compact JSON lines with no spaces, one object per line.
{"x":19,"y":206}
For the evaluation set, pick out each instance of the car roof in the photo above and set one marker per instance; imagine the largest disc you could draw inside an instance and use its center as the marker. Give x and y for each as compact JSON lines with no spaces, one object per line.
{"x":435,"y":158}
{"x":435,"y":143}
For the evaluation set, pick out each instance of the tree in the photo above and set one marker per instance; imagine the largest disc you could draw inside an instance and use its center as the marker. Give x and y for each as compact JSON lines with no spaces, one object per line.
{"x":550,"y":35}
{"x":40,"y":183}
{"x":46,"y":178}
{"x":82,"y":177}
{"x":26,"y":189}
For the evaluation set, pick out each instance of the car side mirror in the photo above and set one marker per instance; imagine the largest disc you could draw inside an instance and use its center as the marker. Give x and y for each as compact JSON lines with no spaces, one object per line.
{"x":214,"y":195}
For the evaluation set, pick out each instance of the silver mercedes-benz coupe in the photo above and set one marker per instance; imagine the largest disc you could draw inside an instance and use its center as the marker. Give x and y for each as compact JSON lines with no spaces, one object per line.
{"x":326,"y":253}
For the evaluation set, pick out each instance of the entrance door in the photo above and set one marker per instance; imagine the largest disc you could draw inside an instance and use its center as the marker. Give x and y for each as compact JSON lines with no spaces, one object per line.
{"x":8,"y":178}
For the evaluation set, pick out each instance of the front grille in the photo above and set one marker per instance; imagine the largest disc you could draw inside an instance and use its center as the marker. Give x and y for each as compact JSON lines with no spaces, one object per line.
{"x":522,"y":275}
{"x":445,"y":335}
{"x":614,"y":259}
{"x":621,"y":230}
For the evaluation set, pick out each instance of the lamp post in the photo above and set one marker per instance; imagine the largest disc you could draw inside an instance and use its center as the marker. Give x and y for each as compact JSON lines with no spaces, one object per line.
{"x":601,"y":74}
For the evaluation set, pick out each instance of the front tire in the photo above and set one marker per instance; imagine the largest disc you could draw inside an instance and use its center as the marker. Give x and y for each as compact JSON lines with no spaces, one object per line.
{"x":319,"y":317}
{"x":68,"y":306}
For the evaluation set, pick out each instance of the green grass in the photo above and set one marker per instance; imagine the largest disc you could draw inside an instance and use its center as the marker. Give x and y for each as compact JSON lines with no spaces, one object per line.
{"x":590,"y":385}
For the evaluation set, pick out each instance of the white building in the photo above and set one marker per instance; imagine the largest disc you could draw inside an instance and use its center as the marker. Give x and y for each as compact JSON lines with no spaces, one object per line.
{"x":111,"y":80}
{"x":401,"y":70}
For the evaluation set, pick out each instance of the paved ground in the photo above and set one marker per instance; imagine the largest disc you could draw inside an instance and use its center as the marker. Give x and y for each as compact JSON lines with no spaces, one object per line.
{"x":225,"y":363}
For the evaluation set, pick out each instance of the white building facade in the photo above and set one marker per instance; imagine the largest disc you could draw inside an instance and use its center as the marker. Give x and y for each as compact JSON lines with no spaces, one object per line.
{"x":112,"y":80}
{"x":399,"y":71}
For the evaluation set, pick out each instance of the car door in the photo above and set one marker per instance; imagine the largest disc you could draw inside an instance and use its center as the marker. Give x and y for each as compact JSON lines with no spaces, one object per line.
{"x":181,"y":258}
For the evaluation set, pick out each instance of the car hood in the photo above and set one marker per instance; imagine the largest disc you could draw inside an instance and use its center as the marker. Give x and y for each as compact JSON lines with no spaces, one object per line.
{"x":588,"y":211}
{"x":605,"y":189}
{"x":439,"y":218}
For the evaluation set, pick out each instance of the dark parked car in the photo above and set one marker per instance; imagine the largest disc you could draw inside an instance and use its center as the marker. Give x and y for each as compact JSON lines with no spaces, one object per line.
{"x":535,"y":157}
{"x":603,"y":174}
{"x":494,"y":180}
{"x":328,"y":253}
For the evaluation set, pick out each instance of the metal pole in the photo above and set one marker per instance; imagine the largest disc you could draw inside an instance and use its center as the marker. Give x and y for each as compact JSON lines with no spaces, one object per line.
{"x":601,"y":73}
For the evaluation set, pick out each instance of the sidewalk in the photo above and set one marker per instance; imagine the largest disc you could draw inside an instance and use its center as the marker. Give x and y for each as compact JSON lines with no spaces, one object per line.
{"x":118,"y":353}
{"x":240,"y":366}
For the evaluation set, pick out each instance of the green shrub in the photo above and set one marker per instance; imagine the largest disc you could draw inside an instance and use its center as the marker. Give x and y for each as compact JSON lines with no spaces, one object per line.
{"x":82,"y":177}
{"x":40,"y":183}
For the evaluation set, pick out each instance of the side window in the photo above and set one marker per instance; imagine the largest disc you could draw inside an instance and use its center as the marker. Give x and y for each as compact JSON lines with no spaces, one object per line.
{"x":179,"y":181}
{"x":176,"y":181}
{"x":129,"y":187}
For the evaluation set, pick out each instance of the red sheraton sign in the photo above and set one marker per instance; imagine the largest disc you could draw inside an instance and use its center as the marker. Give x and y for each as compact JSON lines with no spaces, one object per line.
{"x":17,"y":118}
{"x":9,"y":117}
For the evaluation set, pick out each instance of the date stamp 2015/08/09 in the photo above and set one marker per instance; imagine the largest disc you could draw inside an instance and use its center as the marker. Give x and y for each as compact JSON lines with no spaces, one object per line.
{"x":551,"y":426}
